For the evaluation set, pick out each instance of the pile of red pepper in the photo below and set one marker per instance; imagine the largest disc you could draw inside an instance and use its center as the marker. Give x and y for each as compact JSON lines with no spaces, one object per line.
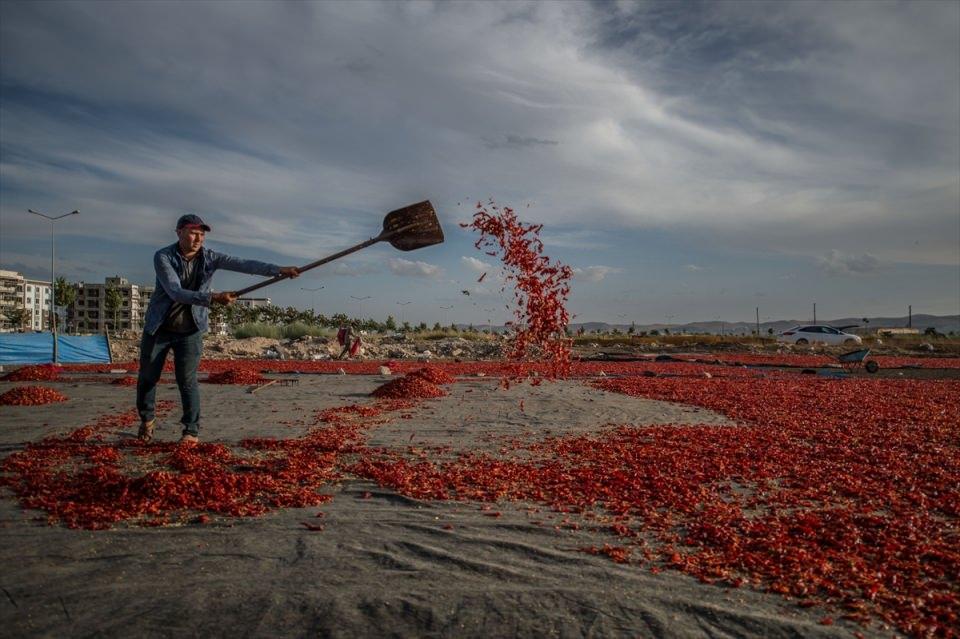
{"x":236,"y":376}
{"x":124,"y":381}
{"x":433,"y":375}
{"x":409,"y":387}
{"x":31,"y":396}
{"x":799,"y":360}
{"x":41,"y":373}
{"x":577,"y":368}
{"x":541,"y":288}
{"x":839,"y":493}
{"x":84,"y":483}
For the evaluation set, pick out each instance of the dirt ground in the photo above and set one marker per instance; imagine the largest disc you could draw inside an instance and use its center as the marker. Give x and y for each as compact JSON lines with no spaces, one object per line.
{"x":385,"y":565}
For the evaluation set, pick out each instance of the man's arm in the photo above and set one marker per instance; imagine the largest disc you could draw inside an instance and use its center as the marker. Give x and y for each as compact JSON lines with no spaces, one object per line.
{"x":252,"y":267}
{"x":170,"y":281}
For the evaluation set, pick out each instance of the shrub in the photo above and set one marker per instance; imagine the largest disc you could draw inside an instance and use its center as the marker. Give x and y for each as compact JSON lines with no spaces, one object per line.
{"x":297,"y":330}
{"x":257,"y":329}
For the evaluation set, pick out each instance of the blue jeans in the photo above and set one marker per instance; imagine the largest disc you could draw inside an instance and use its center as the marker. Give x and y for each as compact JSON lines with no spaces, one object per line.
{"x":187,"y":348}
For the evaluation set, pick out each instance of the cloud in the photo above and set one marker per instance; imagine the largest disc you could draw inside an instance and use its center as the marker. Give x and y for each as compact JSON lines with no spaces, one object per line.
{"x":708,"y":117}
{"x":574,"y":239}
{"x":776,"y":133}
{"x":474,"y":264}
{"x":408,"y":268}
{"x":594,"y":273}
{"x":350,"y":270}
{"x":517,"y":142}
{"x":837,"y":263}
{"x":693,"y":267}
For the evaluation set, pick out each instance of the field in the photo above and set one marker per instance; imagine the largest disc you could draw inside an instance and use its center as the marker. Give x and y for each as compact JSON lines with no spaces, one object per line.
{"x":734,"y":496}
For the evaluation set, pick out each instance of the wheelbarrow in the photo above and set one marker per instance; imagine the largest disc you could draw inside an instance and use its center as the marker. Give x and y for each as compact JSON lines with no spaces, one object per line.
{"x":855,"y":359}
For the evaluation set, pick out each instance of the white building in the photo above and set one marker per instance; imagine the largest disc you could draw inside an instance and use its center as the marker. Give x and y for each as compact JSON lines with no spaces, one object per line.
{"x":32,"y":297}
{"x":253,"y":302}
{"x":11,"y":298}
{"x":37,"y":297}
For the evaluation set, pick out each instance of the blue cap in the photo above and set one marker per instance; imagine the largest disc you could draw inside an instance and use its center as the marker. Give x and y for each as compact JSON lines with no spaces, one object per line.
{"x":191,"y":220}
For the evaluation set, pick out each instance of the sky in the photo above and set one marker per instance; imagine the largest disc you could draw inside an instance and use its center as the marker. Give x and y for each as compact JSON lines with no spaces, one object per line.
{"x":690,"y":161}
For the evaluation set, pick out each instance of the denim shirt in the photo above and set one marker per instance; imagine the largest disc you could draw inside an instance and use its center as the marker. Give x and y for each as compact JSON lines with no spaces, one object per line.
{"x":169,"y":265}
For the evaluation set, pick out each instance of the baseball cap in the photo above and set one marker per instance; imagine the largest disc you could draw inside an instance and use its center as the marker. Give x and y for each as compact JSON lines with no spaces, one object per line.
{"x":192,"y":221}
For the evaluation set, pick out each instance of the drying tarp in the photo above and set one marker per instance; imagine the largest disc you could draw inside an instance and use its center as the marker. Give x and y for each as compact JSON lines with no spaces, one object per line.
{"x":37,"y":348}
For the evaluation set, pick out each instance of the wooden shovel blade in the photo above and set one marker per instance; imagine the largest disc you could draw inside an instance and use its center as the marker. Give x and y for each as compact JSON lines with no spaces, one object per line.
{"x":413,"y":226}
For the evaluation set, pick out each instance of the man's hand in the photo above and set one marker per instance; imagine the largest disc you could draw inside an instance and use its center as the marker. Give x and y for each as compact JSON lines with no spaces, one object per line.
{"x":226,"y":298}
{"x":290,"y":271}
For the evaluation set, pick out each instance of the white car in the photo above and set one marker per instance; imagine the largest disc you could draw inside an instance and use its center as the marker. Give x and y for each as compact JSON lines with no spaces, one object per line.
{"x":818,"y":333}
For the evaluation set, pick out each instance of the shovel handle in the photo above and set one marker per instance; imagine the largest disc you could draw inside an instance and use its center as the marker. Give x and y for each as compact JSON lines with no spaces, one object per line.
{"x":386,"y":235}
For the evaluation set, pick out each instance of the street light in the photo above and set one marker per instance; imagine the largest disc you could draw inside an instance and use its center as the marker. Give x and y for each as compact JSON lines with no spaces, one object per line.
{"x":402,"y":304}
{"x":313,"y":298}
{"x":53,"y":275}
{"x":360,"y":305}
{"x":445,"y":309}
{"x":489,"y":324}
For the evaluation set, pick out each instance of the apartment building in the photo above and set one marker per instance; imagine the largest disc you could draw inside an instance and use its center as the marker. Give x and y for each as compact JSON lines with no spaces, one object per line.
{"x":253,"y":302}
{"x":33,"y":297}
{"x":37,"y":298}
{"x":92,"y":313}
{"x":12,"y":287}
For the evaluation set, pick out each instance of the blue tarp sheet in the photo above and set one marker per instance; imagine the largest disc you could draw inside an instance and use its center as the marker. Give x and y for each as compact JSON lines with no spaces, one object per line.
{"x":37,"y":348}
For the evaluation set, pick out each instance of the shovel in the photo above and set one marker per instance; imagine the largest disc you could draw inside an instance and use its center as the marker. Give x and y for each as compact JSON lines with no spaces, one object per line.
{"x":407,"y":229}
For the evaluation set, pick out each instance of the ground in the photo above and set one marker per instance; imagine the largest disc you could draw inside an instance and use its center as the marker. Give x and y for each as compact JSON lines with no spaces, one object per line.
{"x":384,"y":564}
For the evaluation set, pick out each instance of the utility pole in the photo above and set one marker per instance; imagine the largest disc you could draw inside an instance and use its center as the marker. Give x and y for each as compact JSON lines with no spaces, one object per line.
{"x":445,"y":309}
{"x":53,"y":277}
{"x":360,"y":305}
{"x":313,"y":298}
{"x":402,"y":309}
{"x":758,"y":321}
{"x":910,"y":316}
{"x":814,"y":312}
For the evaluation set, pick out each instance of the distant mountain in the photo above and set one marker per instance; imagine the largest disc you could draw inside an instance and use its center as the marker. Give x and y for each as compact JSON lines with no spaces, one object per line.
{"x":942,"y":323}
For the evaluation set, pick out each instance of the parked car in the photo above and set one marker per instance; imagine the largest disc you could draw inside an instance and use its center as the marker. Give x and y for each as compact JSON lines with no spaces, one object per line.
{"x":818,"y":333}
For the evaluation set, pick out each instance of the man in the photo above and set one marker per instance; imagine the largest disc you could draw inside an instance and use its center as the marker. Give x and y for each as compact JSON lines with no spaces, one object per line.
{"x":177,"y":318}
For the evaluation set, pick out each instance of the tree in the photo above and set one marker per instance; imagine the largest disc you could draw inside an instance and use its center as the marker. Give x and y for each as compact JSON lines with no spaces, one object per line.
{"x":17,"y":316}
{"x":632,"y":329}
{"x":406,"y":327}
{"x":112,"y":302}
{"x":437,"y":327}
{"x":64,"y":295}
{"x":390,"y":324}
{"x":218,"y":313}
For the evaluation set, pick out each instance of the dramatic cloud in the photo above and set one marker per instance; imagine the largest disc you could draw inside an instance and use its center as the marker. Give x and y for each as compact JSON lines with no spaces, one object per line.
{"x":345,"y":269}
{"x":711,"y":128}
{"x":837,"y":263}
{"x":407,"y":268}
{"x":594,"y":273}
{"x":517,"y":142}
{"x":474,"y":264}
